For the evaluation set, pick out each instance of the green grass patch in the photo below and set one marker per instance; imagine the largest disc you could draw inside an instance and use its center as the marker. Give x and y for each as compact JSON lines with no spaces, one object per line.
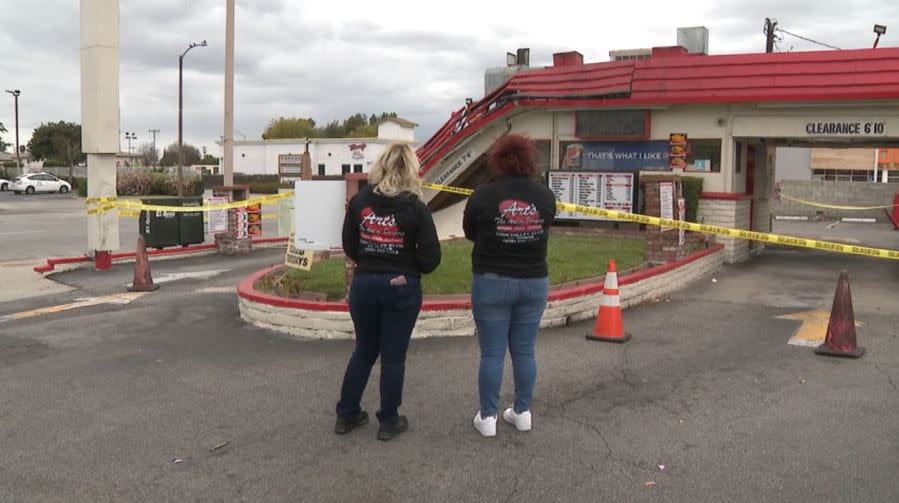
{"x":570,"y":258}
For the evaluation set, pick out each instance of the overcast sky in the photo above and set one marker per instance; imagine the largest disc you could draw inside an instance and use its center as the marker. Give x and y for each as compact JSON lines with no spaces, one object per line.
{"x":328,"y":59}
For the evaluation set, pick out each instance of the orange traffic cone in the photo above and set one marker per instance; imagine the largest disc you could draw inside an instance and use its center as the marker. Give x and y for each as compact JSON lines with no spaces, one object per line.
{"x":609,"y":325}
{"x":840,"y":338}
{"x":143,"y":280}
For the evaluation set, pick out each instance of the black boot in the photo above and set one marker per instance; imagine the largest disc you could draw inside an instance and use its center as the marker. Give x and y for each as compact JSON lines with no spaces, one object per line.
{"x":388,"y":430}
{"x":346,"y":424}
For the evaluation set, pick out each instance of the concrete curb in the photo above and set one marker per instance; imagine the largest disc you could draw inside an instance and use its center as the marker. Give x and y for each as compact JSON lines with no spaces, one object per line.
{"x":157,"y":254}
{"x":450,"y":316}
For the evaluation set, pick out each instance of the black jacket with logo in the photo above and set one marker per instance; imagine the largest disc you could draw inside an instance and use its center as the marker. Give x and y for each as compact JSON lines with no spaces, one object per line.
{"x":390,"y":234}
{"x":508,"y":220}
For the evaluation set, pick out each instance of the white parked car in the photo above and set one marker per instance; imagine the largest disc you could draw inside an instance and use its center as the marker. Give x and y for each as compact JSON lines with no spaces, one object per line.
{"x":4,"y":185}
{"x":39,"y":182}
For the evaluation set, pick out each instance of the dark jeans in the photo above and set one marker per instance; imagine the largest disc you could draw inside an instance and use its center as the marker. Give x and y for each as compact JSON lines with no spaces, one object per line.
{"x":384,"y":316}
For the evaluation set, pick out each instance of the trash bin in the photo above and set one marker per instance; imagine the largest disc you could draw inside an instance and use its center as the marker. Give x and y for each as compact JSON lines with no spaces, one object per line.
{"x":168,"y":228}
{"x":191,"y":229}
{"x":160,"y":228}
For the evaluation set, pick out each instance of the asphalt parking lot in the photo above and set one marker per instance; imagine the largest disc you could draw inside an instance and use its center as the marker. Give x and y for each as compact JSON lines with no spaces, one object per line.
{"x":172,"y":397}
{"x":39,"y":226}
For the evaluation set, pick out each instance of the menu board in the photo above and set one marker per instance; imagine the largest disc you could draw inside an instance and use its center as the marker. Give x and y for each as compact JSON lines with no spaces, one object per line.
{"x":613,"y":191}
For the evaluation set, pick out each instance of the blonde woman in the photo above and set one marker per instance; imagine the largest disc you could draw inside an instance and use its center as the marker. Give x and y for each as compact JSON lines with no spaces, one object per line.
{"x":389,"y":233}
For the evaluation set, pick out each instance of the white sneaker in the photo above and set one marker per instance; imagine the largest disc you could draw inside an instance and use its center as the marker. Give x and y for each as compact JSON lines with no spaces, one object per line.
{"x":486,"y":426}
{"x":521,"y":421}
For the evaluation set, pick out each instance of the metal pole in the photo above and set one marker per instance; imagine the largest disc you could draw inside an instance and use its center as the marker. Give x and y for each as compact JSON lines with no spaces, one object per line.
{"x":18,"y":155}
{"x":180,"y":124}
{"x":876,"y":162}
{"x":228,"y":157}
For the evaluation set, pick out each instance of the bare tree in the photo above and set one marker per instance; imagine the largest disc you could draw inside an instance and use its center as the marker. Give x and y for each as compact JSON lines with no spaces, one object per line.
{"x":148,"y":154}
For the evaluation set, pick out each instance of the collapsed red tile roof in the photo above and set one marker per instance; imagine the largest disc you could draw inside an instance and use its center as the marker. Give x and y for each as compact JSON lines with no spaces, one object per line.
{"x":816,"y":76}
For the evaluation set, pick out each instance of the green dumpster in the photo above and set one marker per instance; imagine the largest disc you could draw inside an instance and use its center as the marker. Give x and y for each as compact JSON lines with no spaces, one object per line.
{"x":191,"y":230}
{"x":168,"y":228}
{"x":160,"y":228}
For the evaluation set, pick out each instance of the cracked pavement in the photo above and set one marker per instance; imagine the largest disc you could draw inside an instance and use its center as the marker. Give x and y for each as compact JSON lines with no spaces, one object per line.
{"x":96,"y":404}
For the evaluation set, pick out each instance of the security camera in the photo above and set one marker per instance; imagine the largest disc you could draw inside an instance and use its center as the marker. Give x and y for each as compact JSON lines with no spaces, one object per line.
{"x":721,"y":121}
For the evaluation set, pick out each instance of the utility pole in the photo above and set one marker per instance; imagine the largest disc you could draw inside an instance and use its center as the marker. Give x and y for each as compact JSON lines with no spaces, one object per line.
{"x":228,"y":154}
{"x":770,"y":26}
{"x":154,"y":132}
{"x":15,"y":94}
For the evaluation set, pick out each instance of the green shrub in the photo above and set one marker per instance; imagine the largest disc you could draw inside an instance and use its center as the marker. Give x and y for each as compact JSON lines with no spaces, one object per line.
{"x":162,"y":185}
{"x":53,"y":163}
{"x":79,"y":185}
{"x":143,"y":183}
{"x":692,"y":188}
{"x":264,"y":187}
{"x":9,"y":164}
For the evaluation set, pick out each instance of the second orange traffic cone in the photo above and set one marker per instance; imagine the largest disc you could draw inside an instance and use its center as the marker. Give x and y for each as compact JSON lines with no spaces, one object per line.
{"x":143,"y":280}
{"x":609,"y":326}
{"x":840,"y":339}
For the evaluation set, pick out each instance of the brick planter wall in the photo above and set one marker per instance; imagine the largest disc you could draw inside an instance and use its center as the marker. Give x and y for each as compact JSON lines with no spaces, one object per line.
{"x":727,"y":211}
{"x":452,"y":316}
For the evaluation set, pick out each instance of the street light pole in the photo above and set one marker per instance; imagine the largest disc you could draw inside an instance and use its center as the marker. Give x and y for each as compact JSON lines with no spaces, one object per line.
{"x":15,"y":94}
{"x":130,"y":136}
{"x":181,"y":114}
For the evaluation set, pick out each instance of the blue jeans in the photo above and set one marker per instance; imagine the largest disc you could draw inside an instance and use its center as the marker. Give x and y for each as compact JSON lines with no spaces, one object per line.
{"x":383,"y":316}
{"x":507,"y":312}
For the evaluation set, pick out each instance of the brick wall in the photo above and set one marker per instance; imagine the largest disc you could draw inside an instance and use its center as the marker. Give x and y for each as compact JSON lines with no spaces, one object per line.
{"x":661,"y":246}
{"x":836,"y":193}
{"x":728,"y":213}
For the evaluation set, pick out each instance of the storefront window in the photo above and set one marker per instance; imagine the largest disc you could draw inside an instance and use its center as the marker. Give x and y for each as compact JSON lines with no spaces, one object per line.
{"x":705,"y":156}
{"x":544,"y":155}
{"x":357,"y":168}
{"x":321,"y":170}
{"x":344,"y":169}
{"x":843,"y":175}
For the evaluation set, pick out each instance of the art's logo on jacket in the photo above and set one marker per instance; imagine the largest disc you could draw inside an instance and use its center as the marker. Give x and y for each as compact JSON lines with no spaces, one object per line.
{"x":515,"y":211}
{"x":380,"y":233}
{"x":518,"y":222}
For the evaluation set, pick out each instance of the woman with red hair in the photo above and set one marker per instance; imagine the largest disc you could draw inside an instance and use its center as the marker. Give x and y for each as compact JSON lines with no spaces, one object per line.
{"x":508,"y":220}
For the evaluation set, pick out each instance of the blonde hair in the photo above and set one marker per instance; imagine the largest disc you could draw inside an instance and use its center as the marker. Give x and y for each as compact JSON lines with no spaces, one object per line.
{"x":396,"y":171}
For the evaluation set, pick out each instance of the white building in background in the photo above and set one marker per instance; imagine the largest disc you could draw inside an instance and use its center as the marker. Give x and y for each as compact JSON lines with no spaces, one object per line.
{"x":330,"y":156}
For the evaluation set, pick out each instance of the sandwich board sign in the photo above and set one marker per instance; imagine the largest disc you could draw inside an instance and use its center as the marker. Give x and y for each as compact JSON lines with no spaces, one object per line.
{"x":296,"y":258}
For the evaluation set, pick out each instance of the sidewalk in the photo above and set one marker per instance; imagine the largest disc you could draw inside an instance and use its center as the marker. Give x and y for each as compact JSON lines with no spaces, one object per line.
{"x":21,"y":282}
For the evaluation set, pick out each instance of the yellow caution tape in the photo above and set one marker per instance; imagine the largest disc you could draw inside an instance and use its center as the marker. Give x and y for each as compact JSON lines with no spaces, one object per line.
{"x":92,"y":200}
{"x":835,"y":206}
{"x":709,"y":229}
{"x":109,"y":203}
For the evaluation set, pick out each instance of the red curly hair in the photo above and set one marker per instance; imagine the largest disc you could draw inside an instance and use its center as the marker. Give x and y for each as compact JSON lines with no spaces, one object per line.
{"x":513,"y":154}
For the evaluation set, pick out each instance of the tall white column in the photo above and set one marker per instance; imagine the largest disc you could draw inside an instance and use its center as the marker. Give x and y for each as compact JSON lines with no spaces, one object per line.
{"x":100,"y":114}
{"x":228,"y":143}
